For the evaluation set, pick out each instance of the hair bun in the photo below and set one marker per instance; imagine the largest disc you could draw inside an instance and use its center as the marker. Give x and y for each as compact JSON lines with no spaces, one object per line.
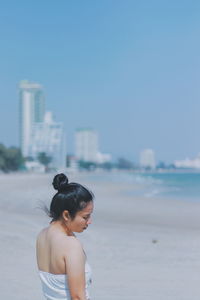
{"x":60,"y":182}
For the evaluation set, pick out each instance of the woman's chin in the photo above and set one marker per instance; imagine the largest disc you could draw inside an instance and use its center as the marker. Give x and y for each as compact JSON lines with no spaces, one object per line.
{"x":80,"y":230}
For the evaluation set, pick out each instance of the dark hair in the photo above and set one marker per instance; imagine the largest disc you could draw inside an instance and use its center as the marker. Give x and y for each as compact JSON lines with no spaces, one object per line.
{"x":70,"y":196}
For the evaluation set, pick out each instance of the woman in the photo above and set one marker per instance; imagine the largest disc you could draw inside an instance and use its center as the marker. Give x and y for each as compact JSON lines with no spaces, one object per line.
{"x":63,"y":269}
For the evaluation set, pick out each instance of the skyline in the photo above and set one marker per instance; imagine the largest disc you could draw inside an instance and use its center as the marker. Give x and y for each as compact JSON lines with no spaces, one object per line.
{"x":124,"y":69}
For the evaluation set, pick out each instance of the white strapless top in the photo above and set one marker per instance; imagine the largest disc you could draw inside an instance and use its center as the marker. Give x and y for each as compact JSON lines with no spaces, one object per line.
{"x":55,"y":286}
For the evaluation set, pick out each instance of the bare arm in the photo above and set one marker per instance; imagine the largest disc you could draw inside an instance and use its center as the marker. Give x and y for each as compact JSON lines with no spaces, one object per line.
{"x":75,"y":269}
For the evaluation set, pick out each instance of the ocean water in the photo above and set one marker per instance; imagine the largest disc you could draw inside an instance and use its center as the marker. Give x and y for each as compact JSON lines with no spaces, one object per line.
{"x":176,"y":185}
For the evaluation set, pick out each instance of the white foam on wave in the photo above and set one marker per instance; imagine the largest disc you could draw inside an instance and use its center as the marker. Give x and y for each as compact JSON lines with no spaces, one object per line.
{"x":152,"y":193}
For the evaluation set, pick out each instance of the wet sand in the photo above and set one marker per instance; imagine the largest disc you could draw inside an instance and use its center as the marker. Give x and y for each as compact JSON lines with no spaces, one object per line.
{"x":139,"y":248}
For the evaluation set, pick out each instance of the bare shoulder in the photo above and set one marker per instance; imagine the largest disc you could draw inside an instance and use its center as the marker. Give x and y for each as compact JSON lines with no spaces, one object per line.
{"x":41,"y":234}
{"x":72,"y":243}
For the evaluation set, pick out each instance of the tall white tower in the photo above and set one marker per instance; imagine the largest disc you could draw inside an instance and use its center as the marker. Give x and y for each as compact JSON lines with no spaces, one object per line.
{"x":147,"y":159}
{"x":31,"y":108}
{"x":86,"y":144}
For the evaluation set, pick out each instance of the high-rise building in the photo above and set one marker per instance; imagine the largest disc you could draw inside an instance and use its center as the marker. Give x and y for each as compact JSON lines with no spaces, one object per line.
{"x":86,"y":144}
{"x":32,"y":108}
{"x":49,"y":137}
{"x":147,"y":159}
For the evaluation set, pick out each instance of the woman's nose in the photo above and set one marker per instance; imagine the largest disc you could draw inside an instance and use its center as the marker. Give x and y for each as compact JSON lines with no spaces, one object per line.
{"x":89,"y":221}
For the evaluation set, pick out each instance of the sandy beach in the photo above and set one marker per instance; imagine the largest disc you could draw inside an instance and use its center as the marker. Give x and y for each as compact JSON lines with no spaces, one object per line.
{"x":139,"y":248}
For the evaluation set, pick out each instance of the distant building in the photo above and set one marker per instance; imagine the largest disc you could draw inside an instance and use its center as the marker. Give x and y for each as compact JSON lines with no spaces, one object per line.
{"x":49,"y":137}
{"x":103,"y":158}
{"x":34,"y":166}
{"x":147,"y":159}
{"x":188,"y":163}
{"x":86,"y":144}
{"x":31,"y":110}
{"x":87,"y":147}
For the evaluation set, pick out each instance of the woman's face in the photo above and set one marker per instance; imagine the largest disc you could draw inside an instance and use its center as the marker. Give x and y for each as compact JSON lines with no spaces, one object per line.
{"x":82,"y":219}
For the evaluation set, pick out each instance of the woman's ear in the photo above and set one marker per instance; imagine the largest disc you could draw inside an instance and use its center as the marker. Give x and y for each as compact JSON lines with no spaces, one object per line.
{"x":65,"y":215}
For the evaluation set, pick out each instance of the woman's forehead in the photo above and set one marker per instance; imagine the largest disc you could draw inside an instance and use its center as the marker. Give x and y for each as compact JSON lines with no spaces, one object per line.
{"x":88,"y":209}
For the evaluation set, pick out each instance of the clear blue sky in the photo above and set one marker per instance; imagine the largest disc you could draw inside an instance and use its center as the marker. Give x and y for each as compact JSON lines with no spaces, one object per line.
{"x":130,"y":69}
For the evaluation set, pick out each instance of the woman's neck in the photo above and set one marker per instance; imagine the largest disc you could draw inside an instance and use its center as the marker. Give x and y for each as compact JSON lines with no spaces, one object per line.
{"x":62,"y":227}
